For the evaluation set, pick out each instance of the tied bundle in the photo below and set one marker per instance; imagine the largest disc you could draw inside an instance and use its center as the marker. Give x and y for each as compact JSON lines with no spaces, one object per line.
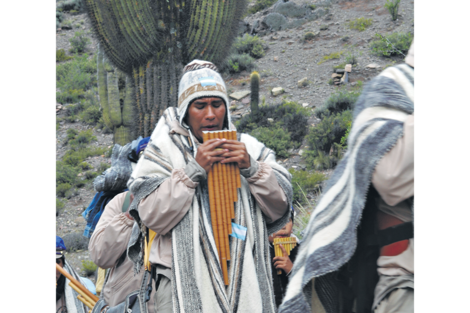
{"x":288,"y":243}
{"x":223,"y":181}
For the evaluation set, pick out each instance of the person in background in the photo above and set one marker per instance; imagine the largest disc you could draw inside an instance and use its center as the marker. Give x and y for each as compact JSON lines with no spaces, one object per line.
{"x":66,"y":296}
{"x":108,"y":246}
{"x":284,"y":263}
{"x":358,"y":252}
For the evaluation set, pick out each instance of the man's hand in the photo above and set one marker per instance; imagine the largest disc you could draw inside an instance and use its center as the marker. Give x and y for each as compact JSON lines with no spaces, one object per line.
{"x":236,"y":153}
{"x":127,"y":212}
{"x":283,"y":262}
{"x":210,"y":152}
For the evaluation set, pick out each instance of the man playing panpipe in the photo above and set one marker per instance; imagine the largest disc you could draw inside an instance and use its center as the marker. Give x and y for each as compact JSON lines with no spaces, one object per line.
{"x":65,"y":297}
{"x":171,"y":198}
{"x":283,"y":262}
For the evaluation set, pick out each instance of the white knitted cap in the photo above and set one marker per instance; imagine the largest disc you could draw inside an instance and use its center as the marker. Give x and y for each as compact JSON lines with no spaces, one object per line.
{"x":200,"y":79}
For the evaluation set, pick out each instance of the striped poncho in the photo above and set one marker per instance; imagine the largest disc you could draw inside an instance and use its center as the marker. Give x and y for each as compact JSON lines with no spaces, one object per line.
{"x":330,"y":239}
{"x":197,"y":282}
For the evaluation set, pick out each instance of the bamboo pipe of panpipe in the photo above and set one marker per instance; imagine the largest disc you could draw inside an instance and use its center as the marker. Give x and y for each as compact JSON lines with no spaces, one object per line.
{"x":227,"y":198}
{"x":84,"y":301}
{"x":220,"y":225}
{"x":237,"y":170}
{"x":210,"y":179}
{"x":223,"y":209}
{"x":76,"y":283}
{"x":80,"y":292}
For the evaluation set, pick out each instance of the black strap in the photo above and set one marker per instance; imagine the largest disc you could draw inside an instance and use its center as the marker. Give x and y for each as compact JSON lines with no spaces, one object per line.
{"x":396,"y":233}
{"x":149,"y":287}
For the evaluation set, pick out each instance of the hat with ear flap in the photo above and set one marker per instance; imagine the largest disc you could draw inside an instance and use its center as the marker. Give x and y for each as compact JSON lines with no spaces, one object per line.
{"x":201,"y":79}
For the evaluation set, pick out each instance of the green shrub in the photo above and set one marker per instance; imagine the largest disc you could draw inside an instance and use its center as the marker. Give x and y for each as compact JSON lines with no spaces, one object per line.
{"x":90,"y":175}
{"x":331,"y":56}
{"x":360,"y":24}
{"x":309,"y":36}
{"x":393,"y":44}
{"x":275,"y":138}
{"x":303,"y":181}
{"x":82,"y":153}
{"x":61,"y":57}
{"x":289,"y":114}
{"x":322,"y":138}
{"x":75,"y":241}
{"x":59,"y":205}
{"x":260,"y":5}
{"x":392,"y":7}
{"x":71,"y":5}
{"x":65,"y":174}
{"x":82,"y":139}
{"x":312,"y":6}
{"x":72,"y":160}
{"x":85,"y":166}
{"x":88,"y":267}
{"x":103,"y":167}
{"x":236,"y":63}
{"x":74,"y":77}
{"x":66,"y":24}
{"x":339,"y":101}
{"x":62,"y":190}
{"x":248,"y":44}
{"x":79,"y":42}
{"x":59,"y":17}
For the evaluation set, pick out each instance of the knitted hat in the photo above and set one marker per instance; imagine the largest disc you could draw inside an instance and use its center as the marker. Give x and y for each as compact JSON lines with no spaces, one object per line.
{"x":200,"y":79}
{"x":59,"y":247}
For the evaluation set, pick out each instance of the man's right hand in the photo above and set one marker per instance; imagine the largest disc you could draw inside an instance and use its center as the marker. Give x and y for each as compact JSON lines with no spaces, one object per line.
{"x":208,"y":154}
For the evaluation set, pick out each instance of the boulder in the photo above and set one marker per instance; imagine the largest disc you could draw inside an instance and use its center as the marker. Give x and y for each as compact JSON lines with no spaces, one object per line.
{"x":274,"y":21}
{"x":348,"y":68}
{"x":240,"y":94}
{"x":277,"y":91}
{"x":290,"y":9}
{"x":303,"y":82}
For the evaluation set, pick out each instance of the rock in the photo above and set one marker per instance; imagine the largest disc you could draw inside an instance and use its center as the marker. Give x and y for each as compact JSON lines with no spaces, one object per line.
{"x":275,"y":59}
{"x":301,"y":152}
{"x":372,"y":65}
{"x":353,"y":84}
{"x":294,"y":166}
{"x":290,"y":9}
{"x":277,"y":91}
{"x":303,"y":82}
{"x":345,"y":38}
{"x":334,"y":75}
{"x":323,"y":27}
{"x":270,"y":120}
{"x":305,"y":105}
{"x":348,"y":68}
{"x":274,"y":21}
{"x":240,"y":94}
{"x":236,"y":117}
{"x":339,"y":71}
{"x":233,"y":102}
{"x":246,"y":100}
{"x":328,"y":17}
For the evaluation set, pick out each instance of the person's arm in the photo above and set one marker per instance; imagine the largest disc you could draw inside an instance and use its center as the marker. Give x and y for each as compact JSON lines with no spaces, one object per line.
{"x":266,"y":190}
{"x":111,"y":235}
{"x":393,"y":177}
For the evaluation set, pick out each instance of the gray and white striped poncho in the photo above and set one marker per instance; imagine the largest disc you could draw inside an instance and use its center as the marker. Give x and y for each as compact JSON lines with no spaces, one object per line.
{"x":330,"y":239}
{"x":197,"y":280}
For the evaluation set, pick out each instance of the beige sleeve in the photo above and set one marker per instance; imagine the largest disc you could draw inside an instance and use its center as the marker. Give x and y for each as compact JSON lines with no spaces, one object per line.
{"x":166,"y":206}
{"x":268,"y":193}
{"x":111,"y":235}
{"x":394,"y":174}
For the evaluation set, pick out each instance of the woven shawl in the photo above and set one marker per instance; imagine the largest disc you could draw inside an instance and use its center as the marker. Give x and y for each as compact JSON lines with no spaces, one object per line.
{"x":330,"y":239}
{"x":73,"y":304}
{"x":197,"y":281}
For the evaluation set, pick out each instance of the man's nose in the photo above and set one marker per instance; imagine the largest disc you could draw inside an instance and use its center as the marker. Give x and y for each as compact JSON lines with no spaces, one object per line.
{"x":210,"y":112}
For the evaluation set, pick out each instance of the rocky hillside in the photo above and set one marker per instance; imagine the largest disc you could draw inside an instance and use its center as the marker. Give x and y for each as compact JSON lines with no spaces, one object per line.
{"x":304,"y":40}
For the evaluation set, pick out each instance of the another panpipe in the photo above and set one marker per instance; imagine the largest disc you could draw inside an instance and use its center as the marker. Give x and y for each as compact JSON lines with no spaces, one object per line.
{"x":223,"y":181}
{"x":288,"y":243}
{"x":84,"y":295}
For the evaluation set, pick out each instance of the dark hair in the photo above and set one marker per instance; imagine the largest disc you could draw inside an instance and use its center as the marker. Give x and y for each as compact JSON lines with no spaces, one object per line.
{"x":60,"y":289}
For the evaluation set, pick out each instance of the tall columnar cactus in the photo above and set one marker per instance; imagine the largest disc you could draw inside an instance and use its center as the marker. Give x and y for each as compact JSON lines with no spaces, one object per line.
{"x":254,"y":85}
{"x":149,"y":41}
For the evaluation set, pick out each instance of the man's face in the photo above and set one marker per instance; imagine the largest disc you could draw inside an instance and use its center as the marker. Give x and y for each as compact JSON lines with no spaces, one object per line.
{"x":206,"y":114}
{"x":286,"y":231}
{"x":57,"y":273}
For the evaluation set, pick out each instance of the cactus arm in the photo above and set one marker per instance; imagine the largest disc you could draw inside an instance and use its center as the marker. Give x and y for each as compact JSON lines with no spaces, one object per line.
{"x":129,"y":104}
{"x":113,"y":99}
{"x":103,"y":87}
{"x":254,"y":96}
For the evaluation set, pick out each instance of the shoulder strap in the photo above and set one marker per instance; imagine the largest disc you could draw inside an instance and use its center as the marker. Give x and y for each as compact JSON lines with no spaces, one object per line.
{"x":127,"y":200}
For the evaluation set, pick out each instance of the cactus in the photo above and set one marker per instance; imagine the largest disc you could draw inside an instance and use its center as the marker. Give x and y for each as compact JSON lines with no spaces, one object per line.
{"x":254,"y":99}
{"x":148,"y":43}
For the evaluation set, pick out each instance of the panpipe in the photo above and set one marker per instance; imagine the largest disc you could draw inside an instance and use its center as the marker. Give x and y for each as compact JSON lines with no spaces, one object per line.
{"x":84,"y":295}
{"x":288,"y":243}
{"x":223,"y":181}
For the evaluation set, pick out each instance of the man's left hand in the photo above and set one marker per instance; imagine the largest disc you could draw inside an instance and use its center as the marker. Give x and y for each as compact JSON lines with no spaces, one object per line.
{"x":237,"y":154}
{"x":283,"y":262}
